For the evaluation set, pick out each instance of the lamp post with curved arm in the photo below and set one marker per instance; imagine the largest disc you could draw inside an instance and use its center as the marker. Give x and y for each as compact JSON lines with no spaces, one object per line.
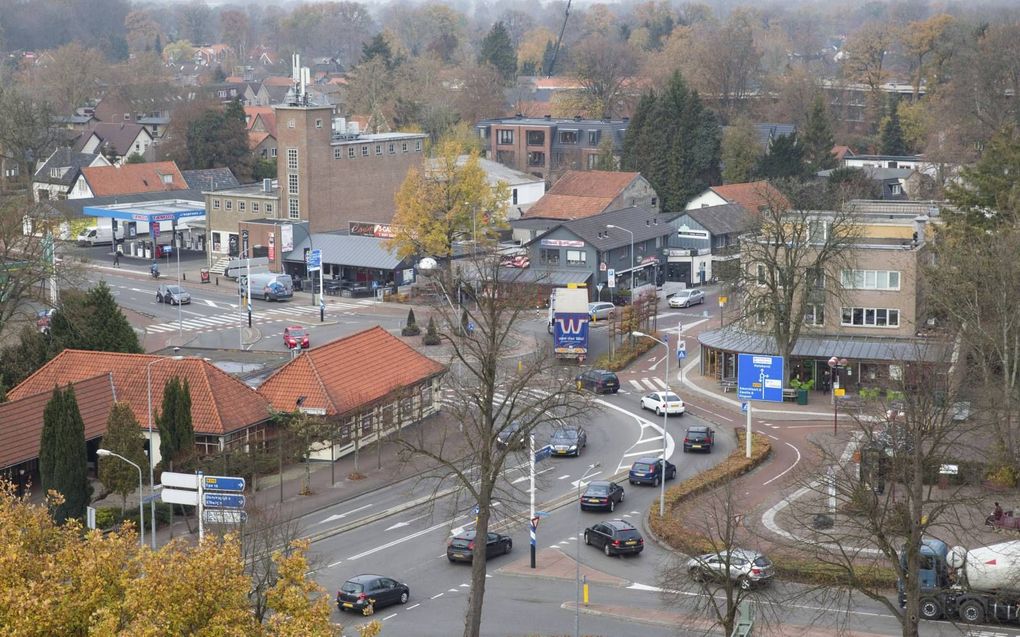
{"x":152,"y":469}
{"x":103,"y":453}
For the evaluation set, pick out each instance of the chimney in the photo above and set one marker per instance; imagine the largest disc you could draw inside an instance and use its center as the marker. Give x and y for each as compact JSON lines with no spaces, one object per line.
{"x":920,"y":222}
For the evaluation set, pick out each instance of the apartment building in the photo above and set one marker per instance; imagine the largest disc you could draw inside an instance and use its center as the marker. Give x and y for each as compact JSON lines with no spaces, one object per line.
{"x":546,"y":146}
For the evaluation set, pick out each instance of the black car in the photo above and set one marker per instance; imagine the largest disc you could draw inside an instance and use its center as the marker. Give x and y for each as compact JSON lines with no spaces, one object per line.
{"x":615,"y":537}
{"x":602,"y":494}
{"x":699,"y":439}
{"x":599,"y":381}
{"x":377,"y":591}
{"x":649,"y":471}
{"x":462,"y":547}
{"x":568,"y":441}
{"x":512,"y":436}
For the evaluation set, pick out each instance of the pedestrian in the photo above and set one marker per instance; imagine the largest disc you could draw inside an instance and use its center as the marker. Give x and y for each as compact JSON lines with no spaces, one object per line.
{"x":116,"y":258}
{"x":997,"y":513}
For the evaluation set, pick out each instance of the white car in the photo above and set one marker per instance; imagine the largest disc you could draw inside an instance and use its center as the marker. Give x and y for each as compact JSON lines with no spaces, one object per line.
{"x":687,"y":298}
{"x":663,"y":402}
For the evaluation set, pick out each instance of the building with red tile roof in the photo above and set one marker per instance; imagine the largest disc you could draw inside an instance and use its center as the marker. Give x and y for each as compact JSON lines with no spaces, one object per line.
{"x":371,"y":376}
{"x":128,"y":179}
{"x":579,"y":194}
{"x":225,"y":412}
{"x":752,"y":196}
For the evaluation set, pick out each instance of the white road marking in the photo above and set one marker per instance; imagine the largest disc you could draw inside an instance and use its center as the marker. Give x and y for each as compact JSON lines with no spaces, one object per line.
{"x":398,"y":525}
{"x":650,"y":385}
{"x":334,"y":564}
{"x":788,"y":469}
{"x":389,"y":617}
{"x":452,"y":590}
{"x":636,"y":385}
{"x":465,"y":586}
{"x":583,"y":484}
{"x":659,"y":383}
{"x":341,"y":516}
{"x":210,"y":303}
{"x":640,"y":453}
{"x":564,"y":477}
{"x":183,"y":311}
{"x":437,"y":595}
{"x":413,"y":607}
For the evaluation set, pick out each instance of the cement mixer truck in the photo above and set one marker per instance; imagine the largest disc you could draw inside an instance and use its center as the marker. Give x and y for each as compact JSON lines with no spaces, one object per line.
{"x":974,"y":586}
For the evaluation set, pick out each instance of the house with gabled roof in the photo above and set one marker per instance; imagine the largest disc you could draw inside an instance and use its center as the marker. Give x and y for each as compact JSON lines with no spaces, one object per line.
{"x":371,"y":382}
{"x":127,"y":179}
{"x":703,"y":238}
{"x":226,"y":413}
{"x":56,"y":177}
{"x":116,"y":140}
{"x":580,"y":194}
{"x":752,"y":195}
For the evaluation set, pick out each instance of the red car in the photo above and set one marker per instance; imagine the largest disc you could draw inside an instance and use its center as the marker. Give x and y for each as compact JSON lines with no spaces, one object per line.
{"x":295,"y":336}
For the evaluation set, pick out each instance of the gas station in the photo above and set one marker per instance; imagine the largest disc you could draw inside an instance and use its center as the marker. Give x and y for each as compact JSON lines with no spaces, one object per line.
{"x":137,"y":227}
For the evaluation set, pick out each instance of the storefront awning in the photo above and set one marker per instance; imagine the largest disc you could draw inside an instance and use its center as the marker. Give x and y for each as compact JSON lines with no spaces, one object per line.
{"x":348,"y":250}
{"x":858,"y":348}
{"x":149,"y":211}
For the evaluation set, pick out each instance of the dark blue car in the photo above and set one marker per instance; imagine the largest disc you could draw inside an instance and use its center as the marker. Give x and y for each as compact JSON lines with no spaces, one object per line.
{"x":649,"y":471}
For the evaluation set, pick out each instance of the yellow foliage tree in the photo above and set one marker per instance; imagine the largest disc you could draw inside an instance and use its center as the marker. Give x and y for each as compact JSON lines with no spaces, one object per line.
{"x":449,"y":200}
{"x":301,"y":608}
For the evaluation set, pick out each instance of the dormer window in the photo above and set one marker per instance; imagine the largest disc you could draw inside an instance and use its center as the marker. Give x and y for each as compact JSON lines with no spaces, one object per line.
{"x":168,"y":179}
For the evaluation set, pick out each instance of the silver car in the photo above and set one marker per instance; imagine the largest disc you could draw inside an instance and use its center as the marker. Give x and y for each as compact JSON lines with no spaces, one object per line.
{"x":601,"y":311}
{"x":173,"y":294}
{"x":687,"y":298}
{"x":747,"y":568}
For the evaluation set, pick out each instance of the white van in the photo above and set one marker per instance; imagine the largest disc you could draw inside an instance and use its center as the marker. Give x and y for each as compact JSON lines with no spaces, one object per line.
{"x":268,"y":286}
{"x":95,"y":236}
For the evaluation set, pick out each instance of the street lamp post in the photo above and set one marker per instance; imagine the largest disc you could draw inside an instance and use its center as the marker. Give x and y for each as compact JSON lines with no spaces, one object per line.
{"x":103,"y":453}
{"x":665,"y":417}
{"x":835,"y":364}
{"x":577,"y":550}
{"x":152,"y":469}
{"x":632,"y":263}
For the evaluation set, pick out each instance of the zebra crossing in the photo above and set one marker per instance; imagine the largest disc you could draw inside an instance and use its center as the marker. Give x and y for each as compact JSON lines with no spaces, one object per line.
{"x":260,"y":316}
{"x":648,"y":384}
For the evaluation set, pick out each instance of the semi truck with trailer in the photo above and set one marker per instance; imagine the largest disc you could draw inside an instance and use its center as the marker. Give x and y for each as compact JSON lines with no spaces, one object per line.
{"x":974,"y":586}
{"x":568,"y":322}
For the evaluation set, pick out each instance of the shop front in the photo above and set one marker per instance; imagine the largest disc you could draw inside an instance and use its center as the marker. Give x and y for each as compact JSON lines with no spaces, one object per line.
{"x":351,"y":265}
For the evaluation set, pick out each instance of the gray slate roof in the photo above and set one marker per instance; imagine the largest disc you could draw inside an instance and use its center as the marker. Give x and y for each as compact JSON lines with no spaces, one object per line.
{"x":64,"y":158}
{"x":645,"y":223}
{"x":210,"y":179}
{"x":721,"y":220}
{"x":119,"y":136}
{"x":769,"y":131}
{"x":855,"y":348}
{"x":349,"y":250}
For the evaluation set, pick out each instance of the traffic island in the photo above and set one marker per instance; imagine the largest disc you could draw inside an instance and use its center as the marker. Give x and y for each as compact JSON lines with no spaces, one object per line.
{"x":556,"y":565}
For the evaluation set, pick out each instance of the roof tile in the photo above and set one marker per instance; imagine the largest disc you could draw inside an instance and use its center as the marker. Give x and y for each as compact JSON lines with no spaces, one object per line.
{"x":108,"y":181}
{"x":751,"y":195}
{"x":580,"y":194}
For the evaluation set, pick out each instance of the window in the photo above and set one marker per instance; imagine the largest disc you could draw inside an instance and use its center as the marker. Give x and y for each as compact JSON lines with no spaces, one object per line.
{"x":350,"y":152}
{"x":269,"y":208}
{"x":814,"y":314}
{"x":228,"y":204}
{"x":318,"y":123}
{"x":870,"y":317}
{"x":568,"y":137}
{"x":292,"y":163}
{"x":255,"y":207}
{"x":895,"y":189}
{"x":378,"y":149}
{"x":514,"y":197}
{"x":505,"y":157}
{"x":167,"y":179}
{"x":392,"y":149}
{"x":536,"y":159}
{"x":593,"y":138}
{"x":871,"y":279}
{"x":536,"y":138}
{"x":577,"y":257}
{"x":817,"y":231}
{"x":290,"y":123}
{"x":593,"y":161}
{"x":338,"y":153}
{"x":292,"y":184}
{"x":272,"y":152}
{"x":505,"y":137}
{"x":417,"y":146}
{"x":240,"y":206}
{"x":293,"y":208}
{"x":761,"y":274}
{"x":215,"y":204}
{"x":816,"y":278}
{"x":403,"y":147}
{"x":549,"y":256}
{"x":364,"y":151}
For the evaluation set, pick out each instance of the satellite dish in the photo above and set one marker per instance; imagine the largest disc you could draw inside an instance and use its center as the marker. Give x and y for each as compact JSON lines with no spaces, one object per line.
{"x":428,"y":263}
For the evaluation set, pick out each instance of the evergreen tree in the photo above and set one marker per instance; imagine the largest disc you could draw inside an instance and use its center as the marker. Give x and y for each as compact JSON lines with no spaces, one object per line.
{"x":498,"y":50}
{"x":987,"y":196}
{"x":219,"y":75}
{"x":741,"y":152}
{"x":784,"y":159}
{"x":548,"y":56}
{"x":380,"y":48}
{"x":123,"y":437}
{"x":159,"y":44}
{"x":891,"y":140}
{"x":674,"y":142}
{"x":63,"y":456}
{"x":176,"y":433}
{"x":218,"y":139}
{"x":106,"y":328}
{"x":817,"y":139}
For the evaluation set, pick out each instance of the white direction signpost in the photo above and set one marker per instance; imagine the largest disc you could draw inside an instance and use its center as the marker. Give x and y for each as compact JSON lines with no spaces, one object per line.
{"x":217,"y":497}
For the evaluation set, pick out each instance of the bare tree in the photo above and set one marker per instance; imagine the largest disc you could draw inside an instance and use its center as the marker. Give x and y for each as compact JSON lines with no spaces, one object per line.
{"x":604,"y":67}
{"x":265,"y":532}
{"x":498,"y":402}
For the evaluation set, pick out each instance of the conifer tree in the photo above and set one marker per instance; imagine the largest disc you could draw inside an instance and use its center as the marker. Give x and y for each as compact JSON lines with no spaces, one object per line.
{"x":176,"y":432}
{"x":122,"y":437}
{"x":63,"y":456}
{"x":784,"y":159}
{"x":892,"y":141}
{"x":106,"y":328}
{"x":817,"y":139}
{"x":498,"y":50}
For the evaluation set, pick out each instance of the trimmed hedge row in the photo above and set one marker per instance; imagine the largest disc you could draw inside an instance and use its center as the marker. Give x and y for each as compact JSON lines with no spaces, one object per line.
{"x":791,"y":567}
{"x":625,"y":355}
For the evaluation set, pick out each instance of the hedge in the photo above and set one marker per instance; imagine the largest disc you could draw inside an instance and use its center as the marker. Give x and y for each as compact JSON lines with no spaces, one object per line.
{"x":792,"y":567}
{"x":625,"y":355}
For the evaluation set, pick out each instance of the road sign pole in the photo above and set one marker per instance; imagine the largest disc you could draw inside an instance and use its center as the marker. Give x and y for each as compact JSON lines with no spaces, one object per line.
{"x":534,"y":529}
{"x":201,"y":495}
{"x":747,"y":432}
{"x":322,"y":299}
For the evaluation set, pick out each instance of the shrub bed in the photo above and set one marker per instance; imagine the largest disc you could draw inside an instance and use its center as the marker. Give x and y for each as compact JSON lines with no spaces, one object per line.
{"x":625,"y":354}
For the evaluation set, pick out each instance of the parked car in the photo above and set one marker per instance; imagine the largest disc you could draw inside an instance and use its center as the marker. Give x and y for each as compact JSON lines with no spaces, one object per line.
{"x":511,"y":436}
{"x":42,"y":320}
{"x":363,"y":590}
{"x":461,"y":548}
{"x":746,"y":568}
{"x":615,"y":537}
{"x":568,"y":441}
{"x":700,"y":439}
{"x":601,"y":494}
{"x":601,"y":311}
{"x":663,"y":402}
{"x":172,"y":294}
{"x":295,"y":336}
{"x":687,"y":298}
{"x":599,"y":381}
{"x":649,"y":471}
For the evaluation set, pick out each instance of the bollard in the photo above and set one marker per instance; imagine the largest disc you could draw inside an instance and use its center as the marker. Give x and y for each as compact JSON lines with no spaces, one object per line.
{"x":584,"y":588}
{"x":217,"y":280}
{"x":184,"y":276}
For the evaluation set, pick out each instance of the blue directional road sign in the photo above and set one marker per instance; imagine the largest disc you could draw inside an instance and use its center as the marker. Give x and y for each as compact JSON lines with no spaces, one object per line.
{"x":744,"y":406}
{"x":543,"y":453}
{"x":314,"y":260}
{"x":221,"y":483}
{"x":760,"y":377}
{"x":223,"y":500}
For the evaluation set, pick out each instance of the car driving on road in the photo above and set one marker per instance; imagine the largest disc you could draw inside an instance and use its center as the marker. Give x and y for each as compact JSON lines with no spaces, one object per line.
{"x":511,"y":436}
{"x":295,"y":336}
{"x":601,"y":494}
{"x":601,"y":311}
{"x":461,"y":548}
{"x":747,"y":568}
{"x":687,"y":298}
{"x":649,"y":471}
{"x":361,"y":591}
{"x":699,"y":439}
{"x":600,"y":381}
{"x":568,"y":441}
{"x":615,"y":537}
{"x":663,"y":402}
{"x":172,"y":294}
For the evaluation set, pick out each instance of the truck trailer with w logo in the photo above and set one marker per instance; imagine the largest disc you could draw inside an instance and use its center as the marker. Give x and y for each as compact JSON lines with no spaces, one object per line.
{"x":568,"y":322}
